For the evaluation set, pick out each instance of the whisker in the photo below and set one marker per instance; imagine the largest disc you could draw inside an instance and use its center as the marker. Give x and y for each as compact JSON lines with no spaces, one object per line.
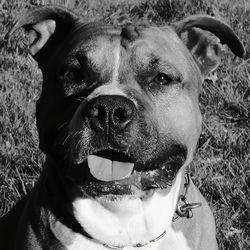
{"x":80,"y":98}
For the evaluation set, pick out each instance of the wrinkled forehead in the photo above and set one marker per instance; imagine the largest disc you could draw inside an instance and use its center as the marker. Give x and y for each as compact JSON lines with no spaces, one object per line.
{"x":162,"y":46}
{"x":94,"y":42}
{"x":93,"y":36}
{"x":101,"y":44}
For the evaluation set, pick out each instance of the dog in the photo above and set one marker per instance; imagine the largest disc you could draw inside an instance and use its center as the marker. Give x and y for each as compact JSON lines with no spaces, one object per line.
{"x":118,"y":120}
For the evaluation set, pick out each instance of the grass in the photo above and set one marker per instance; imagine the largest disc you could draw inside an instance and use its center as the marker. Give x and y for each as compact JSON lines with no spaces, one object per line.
{"x":221,"y":165}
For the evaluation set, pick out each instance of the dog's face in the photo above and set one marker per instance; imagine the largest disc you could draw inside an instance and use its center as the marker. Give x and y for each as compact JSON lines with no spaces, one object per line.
{"x":123,"y":111}
{"x":119,"y":114}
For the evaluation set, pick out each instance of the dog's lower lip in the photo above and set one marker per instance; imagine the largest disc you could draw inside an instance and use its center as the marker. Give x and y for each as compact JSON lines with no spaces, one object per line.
{"x":143,"y":195}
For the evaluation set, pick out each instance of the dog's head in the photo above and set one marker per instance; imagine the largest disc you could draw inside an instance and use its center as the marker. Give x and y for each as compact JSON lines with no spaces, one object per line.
{"x":119,"y":106}
{"x":122,"y":103}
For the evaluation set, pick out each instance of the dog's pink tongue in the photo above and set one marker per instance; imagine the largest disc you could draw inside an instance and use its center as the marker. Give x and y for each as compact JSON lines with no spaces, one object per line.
{"x":106,"y":170}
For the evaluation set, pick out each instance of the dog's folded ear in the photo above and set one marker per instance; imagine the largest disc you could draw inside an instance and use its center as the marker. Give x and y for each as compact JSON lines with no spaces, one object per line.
{"x":202,"y":45}
{"x":47,"y":25}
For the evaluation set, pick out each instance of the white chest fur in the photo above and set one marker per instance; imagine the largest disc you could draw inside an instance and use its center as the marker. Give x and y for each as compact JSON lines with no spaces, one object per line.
{"x":129,"y":221}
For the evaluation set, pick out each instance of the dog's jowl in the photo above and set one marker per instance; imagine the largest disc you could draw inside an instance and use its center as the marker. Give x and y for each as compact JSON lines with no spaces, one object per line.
{"x":118,"y":119}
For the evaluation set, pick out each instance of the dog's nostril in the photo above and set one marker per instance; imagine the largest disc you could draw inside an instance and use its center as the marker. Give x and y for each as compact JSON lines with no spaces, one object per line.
{"x":102,"y":113}
{"x":98,"y":112}
{"x":98,"y":115}
{"x":120,"y":114}
{"x":94,"y":112}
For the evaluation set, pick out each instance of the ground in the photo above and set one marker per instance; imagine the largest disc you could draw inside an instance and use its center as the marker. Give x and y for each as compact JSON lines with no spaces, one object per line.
{"x":221,"y":168}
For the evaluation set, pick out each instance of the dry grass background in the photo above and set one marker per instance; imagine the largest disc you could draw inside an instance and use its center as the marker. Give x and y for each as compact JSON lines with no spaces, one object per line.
{"x":221,"y":165}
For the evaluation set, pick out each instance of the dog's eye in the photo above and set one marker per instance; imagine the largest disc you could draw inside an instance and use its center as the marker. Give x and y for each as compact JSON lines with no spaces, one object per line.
{"x":74,"y":75}
{"x":163,"y":79}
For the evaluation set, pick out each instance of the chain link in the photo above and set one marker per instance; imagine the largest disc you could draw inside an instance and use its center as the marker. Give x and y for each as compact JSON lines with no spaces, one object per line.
{"x":184,"y":208}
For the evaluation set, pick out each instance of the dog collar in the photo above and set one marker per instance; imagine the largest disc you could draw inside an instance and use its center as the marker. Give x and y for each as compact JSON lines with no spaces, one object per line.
{"x":136,"y":245}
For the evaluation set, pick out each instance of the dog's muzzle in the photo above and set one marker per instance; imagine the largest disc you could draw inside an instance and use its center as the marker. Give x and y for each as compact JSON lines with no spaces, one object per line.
{"x":118,"y":152}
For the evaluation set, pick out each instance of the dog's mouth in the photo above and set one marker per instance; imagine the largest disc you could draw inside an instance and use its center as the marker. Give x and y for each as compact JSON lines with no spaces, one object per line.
{"x":111,"y":172}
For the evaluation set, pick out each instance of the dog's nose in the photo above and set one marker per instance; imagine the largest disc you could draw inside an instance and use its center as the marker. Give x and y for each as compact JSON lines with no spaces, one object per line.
{"x":110,"y":112}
